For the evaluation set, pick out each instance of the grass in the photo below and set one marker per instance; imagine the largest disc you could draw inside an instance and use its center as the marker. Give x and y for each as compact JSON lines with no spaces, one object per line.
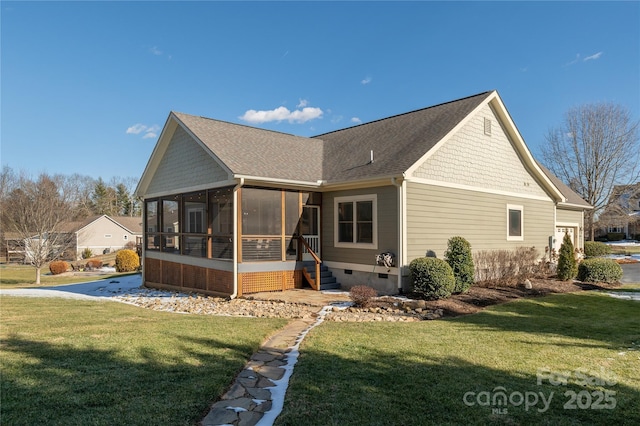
{"x":625,"y":250}
{"x":19,"y":276}
{"x":69,"y":362}
{"x":419,"y":373}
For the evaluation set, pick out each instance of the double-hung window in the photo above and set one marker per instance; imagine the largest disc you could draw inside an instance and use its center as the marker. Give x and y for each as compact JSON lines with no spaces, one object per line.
{"x":515,"y":223}
{"x":355,"y":221}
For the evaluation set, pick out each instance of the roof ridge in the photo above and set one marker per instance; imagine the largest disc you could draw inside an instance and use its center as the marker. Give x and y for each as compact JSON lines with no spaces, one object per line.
{"x":405,"y":113}
{"x":238,"y":124}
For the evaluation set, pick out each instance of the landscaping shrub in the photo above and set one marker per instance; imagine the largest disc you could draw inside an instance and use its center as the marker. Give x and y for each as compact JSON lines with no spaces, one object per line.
{"x":87,"y":253}
{"x":508,"y":267}
{"x":432,"y":278}
{"x":58,"y":267}
{"x":599,"y":270}
{"x":127,"y":261}
{"x":615,"y":236}
{"x":596,"y":249}
{"x":93,"y":264}
{"x":567,"y":264}
{"x":459,"y":257}
{"x":361,"y":295}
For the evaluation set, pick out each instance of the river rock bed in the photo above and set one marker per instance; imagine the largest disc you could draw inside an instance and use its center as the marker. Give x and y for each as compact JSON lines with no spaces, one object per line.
{"x":380,"y":309}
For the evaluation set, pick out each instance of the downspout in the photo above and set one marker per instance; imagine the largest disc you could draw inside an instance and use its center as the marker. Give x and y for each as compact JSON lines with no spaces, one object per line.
{"x":394,"y":182}
{"x":235,"y":238}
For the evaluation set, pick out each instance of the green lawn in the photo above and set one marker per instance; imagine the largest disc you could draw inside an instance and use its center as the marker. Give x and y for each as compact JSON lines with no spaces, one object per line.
{"x":70,"y":362}
{"x":420,"y":373}
{"x":19,"y":276}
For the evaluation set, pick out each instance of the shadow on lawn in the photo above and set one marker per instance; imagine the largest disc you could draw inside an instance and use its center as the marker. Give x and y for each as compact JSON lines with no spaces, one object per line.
{"x":51,"y":384}
{"x":379,"y":388}
{"x":589,"y":316}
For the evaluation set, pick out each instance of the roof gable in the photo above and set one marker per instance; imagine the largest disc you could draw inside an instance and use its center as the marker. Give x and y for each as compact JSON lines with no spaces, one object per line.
{"x":397,"y":142}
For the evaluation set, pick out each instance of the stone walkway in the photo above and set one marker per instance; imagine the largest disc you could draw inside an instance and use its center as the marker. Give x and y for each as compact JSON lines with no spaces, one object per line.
{"x":256,"y":395}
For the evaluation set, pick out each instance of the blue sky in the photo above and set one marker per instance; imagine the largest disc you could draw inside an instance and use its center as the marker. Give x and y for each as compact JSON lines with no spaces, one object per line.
{"x":87,"y":86}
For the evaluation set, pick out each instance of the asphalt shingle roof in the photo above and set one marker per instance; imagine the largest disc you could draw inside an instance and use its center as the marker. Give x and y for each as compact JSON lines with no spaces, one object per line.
{"x":343,"y":155}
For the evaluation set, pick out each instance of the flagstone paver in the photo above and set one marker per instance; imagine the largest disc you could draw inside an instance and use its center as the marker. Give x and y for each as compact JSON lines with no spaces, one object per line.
{"x":246,"y":401}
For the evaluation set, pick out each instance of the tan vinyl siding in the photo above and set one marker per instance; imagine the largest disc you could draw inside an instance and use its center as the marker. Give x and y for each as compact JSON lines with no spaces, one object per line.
{"x":103,"y":234}
{"x":185,"y":164}
{"x":435,"y":214}
{"x":387,"y":201}
{"x":568,"y":216}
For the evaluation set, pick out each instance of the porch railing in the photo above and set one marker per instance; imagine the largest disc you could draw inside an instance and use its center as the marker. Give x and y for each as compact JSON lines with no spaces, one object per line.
{"x":315,"y":283}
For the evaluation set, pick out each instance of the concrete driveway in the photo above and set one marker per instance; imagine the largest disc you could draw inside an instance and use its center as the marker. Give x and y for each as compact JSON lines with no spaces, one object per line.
{"x":631,"y":273}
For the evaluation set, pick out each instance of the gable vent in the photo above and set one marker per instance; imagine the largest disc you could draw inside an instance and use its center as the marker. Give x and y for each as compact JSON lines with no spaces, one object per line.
{"x":487,"y":126}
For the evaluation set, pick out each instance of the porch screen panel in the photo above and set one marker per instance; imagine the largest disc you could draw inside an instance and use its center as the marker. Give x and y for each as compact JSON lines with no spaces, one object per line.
{"x":194,"y":239}
{"x":221,"y":211}
{"x":171,"y":225}
{"x":261,"y":224}
{"x":292,"y":219}
{"x":152,"y":217}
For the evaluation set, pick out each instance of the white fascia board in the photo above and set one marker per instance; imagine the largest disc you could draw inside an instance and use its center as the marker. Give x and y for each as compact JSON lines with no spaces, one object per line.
{"x":512,"y":130}
{"x":249,"y":180}
{"x":441,"y":142}
{"x":205,"y":147}
{"x":156,"y":155}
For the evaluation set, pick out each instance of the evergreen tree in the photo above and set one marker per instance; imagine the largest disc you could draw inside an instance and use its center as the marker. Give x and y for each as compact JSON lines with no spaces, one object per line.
{"x":458,"y":256}
{"x":567,"y":264}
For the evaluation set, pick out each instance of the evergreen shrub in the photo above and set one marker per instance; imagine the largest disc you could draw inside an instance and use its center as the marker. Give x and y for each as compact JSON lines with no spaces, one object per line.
{"x":599,"y":270}
{"x":459,"y":257}
{"x":432,"y":278}
{"x":567,"y":264}
{"x":127,"y":261}
{"x":596,"y":249}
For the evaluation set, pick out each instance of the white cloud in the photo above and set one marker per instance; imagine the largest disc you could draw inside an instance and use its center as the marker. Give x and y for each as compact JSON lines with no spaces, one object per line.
{"x":136,"y":129}
{"x":281,"y":114}
{"x":356,"y":120}
{"x":149,"y":131}
{"x":594,"y":56}
{"x":366,"y":80}
{"x":156,"y":51}
{"x":303,"y":103}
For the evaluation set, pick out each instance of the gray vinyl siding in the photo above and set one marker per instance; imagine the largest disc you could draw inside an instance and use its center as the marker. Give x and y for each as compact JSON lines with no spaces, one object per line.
{"x":185,"y":164}
{"x":387,"y":210}
{"x":435,"y":214}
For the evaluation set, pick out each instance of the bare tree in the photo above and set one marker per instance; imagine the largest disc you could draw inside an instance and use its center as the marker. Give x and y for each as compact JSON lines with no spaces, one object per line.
{"x":36,"y":210}
{"x":594,"y":149}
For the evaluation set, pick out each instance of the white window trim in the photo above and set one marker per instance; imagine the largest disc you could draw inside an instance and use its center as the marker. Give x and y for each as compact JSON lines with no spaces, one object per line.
{"x":352,"y":199}
{"x":521,"y":209}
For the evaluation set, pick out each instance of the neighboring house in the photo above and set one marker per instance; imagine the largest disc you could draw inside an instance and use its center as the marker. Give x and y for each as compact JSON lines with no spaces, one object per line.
{"x":231,"y":209}
{"x":102,"y":234}
{"x":99,"y":233}
{"x":621,"y":217}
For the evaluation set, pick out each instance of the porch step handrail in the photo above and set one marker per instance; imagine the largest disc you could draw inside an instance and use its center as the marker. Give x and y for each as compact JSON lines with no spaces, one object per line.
{"x":315,"y":284}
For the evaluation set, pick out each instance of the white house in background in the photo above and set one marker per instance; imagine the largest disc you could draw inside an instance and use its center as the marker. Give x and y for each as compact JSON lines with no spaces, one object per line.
{"x":105,"y":233}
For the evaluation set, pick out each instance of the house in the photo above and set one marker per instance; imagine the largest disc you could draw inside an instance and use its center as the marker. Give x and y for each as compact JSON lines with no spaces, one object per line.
{"x":103,"y":234}
{"x":100,"y":234}
{"x":621,"y":218}
{"x":231,"y":209}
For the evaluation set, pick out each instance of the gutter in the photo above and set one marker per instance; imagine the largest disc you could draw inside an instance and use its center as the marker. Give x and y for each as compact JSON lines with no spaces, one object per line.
{"x":235,"y":238}
{"x":401,"y":239}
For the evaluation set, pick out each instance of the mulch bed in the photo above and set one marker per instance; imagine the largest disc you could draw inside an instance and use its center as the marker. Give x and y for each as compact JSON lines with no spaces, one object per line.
{"x":477,"y":298}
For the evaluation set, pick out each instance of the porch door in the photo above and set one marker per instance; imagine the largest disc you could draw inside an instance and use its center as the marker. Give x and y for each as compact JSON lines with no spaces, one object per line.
{"x":310,"y":230}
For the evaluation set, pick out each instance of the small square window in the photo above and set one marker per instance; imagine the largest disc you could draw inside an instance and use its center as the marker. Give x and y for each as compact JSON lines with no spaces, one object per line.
{"x":515,"y":223}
